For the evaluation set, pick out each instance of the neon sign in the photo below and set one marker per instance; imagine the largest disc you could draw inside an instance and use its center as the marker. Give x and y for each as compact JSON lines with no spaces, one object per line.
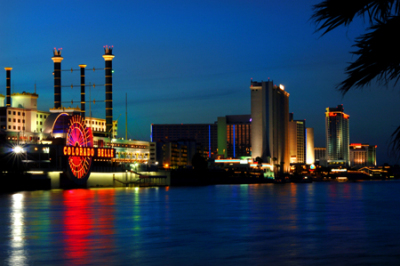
{"x":88,"y":152}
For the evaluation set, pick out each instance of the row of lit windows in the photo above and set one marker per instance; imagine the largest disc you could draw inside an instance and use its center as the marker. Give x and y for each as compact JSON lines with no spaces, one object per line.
{"x":14,"y":113}
{"x":41,"y":116}
{"x":95,"y":123}
{"x":14,"y":120}
{"x":15,"y":128}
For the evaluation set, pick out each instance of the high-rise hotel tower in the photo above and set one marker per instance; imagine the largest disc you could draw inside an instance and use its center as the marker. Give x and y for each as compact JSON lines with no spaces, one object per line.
{"x":337,"y":136}
{"x":269,"y":125}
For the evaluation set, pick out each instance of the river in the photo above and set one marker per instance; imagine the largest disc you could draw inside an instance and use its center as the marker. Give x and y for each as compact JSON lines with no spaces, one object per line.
{"x":324,"y":223}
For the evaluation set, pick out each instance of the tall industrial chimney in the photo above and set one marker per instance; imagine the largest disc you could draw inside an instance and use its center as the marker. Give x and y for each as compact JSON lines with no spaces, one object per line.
{"x":8,"y":85}
{"x":82,"y":91}
{"x":108,"y":57}
{"x":57,"y":77}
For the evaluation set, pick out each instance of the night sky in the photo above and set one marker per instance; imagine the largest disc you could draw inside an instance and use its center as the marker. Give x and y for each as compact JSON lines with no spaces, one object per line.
{"x":192,"y":61}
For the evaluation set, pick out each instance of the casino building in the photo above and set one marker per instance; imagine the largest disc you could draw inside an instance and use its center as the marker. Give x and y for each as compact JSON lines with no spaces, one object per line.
{"x":63,"y":144}
{"x":337,"y":136}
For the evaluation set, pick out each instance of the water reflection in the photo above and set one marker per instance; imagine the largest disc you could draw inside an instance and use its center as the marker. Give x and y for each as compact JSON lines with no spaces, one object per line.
{"x":18,"y":253}
{"x":300,"y":224}
{"x":77,"y":224}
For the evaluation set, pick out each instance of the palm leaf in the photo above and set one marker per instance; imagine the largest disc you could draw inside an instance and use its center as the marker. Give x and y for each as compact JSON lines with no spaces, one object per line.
{"x":332,"y":13}
{"x":378,"y":56}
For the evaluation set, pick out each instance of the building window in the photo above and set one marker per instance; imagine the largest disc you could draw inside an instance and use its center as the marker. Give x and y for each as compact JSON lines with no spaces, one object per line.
{"x":9,"y":112}
{"x":9,"y":120}
{"x":40,"y":116}
{"x":23,"y":114}
{"x":14,"y":113}
{"x":44,"y":116}
{"x":23,"y":128}
{"x":36,"y":122}
{"x":40,"y":122}
{"x":9,"y":127}
{"x":19,"y":113}
{"x":14,"y":120}
{"x":36,"y":116}
{"x":13,"y":127}
{"x":19,"y":128}
{"x":19,"y":120}
{"x":23,"y":121}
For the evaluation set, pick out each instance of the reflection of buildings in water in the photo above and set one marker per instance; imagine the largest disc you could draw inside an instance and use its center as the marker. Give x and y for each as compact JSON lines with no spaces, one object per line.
{"x":18,"y":255}
{"x":105,"y":216}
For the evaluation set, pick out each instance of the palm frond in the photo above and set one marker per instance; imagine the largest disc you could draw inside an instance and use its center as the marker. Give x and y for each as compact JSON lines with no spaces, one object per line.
{"x":395,"y":143}
{"x":378,"y":56}
{"x":330,"y":14}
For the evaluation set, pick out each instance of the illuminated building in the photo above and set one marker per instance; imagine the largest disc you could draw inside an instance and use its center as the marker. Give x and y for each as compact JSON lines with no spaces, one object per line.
{"x":132,"y":151}
{"x":310,"y":156}
{"x":21,"y":119}
{"x":297,"y":140}
{"x":269,"y":126}
{"x":234,"y":136}
{"x":204,"y":134}
{"x":320,"y":154}
{"x":337,"y":136}
{"x":172,"y":155}
{"x":362,"y":155}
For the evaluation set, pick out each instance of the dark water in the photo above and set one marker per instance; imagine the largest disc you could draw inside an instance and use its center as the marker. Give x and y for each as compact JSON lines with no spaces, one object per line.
{"x":290,"y":224}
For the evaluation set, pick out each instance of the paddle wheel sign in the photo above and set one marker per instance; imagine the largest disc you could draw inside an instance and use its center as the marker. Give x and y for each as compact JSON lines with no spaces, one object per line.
{"x":79,"y":150}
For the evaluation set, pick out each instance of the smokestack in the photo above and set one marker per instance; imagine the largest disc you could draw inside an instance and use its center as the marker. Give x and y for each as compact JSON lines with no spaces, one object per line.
{"x":108,"y":57}
{"x":57,"y":77}
{"x":82,"y":91}
{"x":8,"y":86}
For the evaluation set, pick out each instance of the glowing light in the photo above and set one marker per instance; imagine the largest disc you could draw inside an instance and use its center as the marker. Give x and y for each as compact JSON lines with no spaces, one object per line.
{"x":228,"y":161}
{"x":281,"y":87}
{"x":339,"y":170}
{"x":18,"y":149}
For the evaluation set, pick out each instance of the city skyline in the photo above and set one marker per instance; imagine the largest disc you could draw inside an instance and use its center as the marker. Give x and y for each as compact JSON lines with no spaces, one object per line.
{"x":192,"y":62}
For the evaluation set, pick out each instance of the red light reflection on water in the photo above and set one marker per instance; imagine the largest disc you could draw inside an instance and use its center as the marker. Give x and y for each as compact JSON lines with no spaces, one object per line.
{"x":105,"y":218}
{"x":78,"y":223}
{"x":88,"y":223}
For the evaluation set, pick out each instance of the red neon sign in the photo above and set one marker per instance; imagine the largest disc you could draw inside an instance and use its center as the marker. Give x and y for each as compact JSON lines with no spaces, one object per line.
{"x":88,"y":152}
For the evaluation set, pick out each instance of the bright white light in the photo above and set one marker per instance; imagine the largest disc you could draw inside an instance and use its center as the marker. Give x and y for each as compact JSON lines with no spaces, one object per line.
{"x":281,"y":87}
{"x":18,"y":149}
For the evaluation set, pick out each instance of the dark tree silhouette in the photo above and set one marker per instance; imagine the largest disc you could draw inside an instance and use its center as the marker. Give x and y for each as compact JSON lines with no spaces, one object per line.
{"x":378,"y":53}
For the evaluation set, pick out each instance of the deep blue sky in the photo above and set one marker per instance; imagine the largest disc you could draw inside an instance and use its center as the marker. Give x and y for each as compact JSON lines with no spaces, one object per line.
{"x":191,"y":61}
